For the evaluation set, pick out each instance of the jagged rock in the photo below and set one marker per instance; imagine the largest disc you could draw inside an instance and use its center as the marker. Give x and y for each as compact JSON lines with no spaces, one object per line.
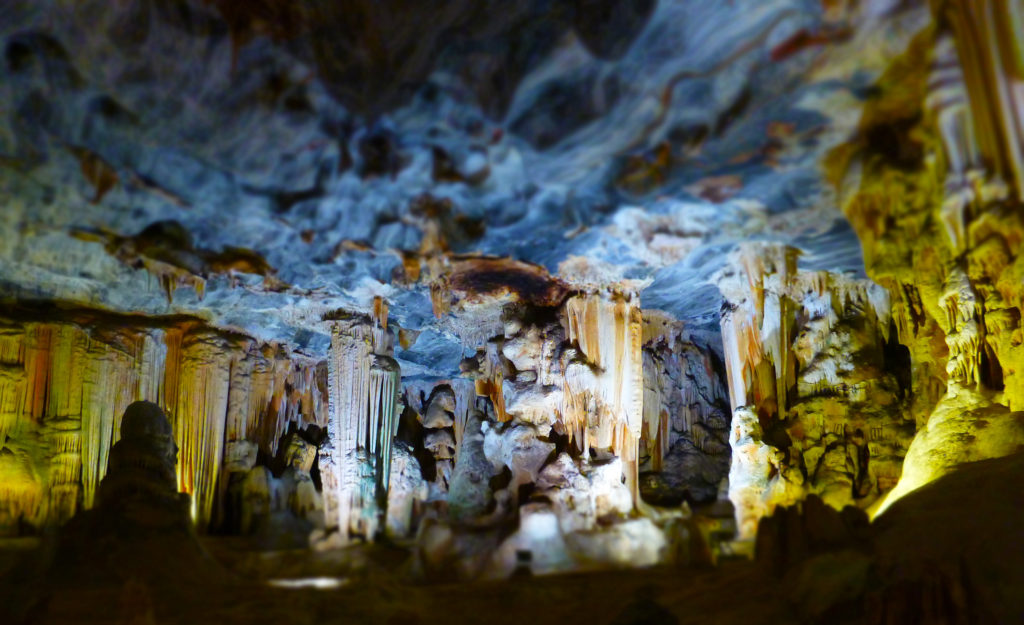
{"x":440,"y":443}
{"x":517,"y":447}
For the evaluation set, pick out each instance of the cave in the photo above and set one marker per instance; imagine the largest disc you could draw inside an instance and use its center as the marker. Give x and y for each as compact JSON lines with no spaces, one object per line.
{"x":590,"y":311}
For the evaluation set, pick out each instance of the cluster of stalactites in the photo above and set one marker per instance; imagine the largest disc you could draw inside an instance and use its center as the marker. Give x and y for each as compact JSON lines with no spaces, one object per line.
{"x":693,"y":396}
{"x":604,"y":386}
{"x":63,"y":388}
{"x":764,"y":293}
{"x":755,"y":325}
{"x":364,"y":383}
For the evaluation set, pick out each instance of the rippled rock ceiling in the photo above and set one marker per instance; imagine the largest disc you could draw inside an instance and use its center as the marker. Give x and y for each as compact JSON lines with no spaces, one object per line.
{"x":550,"y":266}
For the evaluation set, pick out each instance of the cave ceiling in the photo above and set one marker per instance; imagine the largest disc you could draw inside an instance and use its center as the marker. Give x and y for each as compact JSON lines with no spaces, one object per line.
{"x":266,"y":165}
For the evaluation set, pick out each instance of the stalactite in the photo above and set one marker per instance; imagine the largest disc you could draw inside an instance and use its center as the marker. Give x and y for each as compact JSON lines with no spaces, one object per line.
{"x":65,"y":384}
{"x":605,"y":390}
{"x":199,"y":416}
{"x":364,"y":384}
{"x":385,"y":383}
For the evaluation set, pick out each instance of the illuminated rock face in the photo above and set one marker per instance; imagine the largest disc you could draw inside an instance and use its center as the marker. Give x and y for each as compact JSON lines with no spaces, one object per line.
{"x":585,"y":272}
{"x":941,"y":231}
{"x":66,"y":383}
{"x":818,"y":407}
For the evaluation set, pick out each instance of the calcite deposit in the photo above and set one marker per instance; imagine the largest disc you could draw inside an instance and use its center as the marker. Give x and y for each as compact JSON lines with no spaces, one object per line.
{"x":68,"y":379}
{"x":438,"y":292}
{"x":814,"y":376}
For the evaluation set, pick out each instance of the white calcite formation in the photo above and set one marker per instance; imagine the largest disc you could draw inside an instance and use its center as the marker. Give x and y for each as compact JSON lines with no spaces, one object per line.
{"x":364,"y":384}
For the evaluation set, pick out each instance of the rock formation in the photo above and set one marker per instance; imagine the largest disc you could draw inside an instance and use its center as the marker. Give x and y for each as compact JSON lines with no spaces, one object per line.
{"x":817,"y":402}
{"x":363,"y":388}
{"x":67,"y":381}
{"x":940,"y":228}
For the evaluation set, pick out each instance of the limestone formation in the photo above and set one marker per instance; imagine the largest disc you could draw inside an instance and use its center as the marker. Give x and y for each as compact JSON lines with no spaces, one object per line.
{"x":817,"y":401}
{"x":941,"y":232}
{"x":363,"y":385}
{"x":66,"y":383}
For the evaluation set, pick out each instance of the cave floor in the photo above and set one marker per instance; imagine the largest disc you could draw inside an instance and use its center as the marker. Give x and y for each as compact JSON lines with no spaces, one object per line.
{"x":734,"y":592}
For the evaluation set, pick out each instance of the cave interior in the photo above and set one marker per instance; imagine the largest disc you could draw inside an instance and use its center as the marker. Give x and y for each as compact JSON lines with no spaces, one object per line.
{"x":455,"y":311}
